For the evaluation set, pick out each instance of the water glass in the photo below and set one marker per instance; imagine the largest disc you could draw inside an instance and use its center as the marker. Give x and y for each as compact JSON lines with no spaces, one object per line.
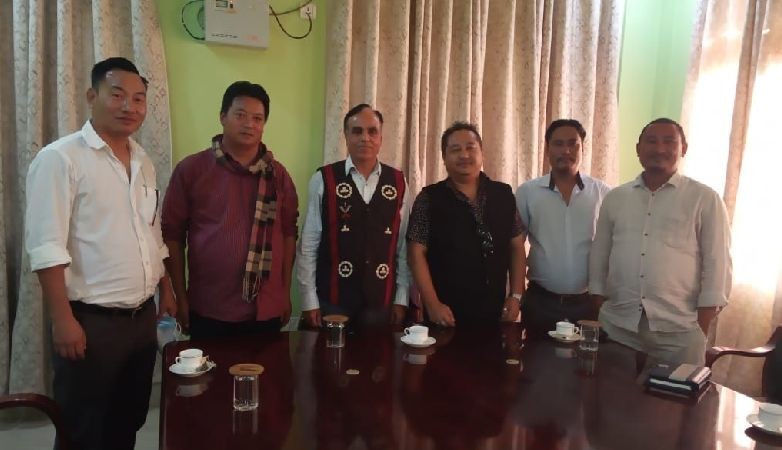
{"x":335,"y":329}
{"x":245,"y":386}
{"x":590,"y":335}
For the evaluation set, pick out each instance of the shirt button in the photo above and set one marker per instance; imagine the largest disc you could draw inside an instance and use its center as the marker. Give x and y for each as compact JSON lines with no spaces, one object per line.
{"x":648,"y":214}
{"x":642,"y":276}
{"x":643,"y":254}
{"x":646,"y":234}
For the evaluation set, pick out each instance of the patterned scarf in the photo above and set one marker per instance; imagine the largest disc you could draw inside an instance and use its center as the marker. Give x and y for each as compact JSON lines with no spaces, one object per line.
{"x":259,"y":255}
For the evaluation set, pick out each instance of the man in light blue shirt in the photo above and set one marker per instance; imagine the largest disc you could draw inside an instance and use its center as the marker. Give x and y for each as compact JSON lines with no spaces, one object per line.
{"x":559,"y":210}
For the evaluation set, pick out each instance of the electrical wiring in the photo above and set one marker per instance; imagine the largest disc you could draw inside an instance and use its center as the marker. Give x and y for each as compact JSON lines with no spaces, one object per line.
{"x":272,"y":12}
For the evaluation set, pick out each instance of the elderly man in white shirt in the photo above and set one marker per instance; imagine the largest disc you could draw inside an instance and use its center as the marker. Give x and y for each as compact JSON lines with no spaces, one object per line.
{"x":559,"y":210}
{"x":660,"y":260}
{"x":93,"y":237}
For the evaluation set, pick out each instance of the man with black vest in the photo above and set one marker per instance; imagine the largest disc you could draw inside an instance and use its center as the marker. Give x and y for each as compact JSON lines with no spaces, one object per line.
{"x":351,"y":259}
{"x":465,"y":236}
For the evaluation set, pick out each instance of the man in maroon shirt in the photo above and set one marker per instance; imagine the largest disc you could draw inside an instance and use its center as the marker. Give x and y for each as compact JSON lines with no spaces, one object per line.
{"x":234,"y":207}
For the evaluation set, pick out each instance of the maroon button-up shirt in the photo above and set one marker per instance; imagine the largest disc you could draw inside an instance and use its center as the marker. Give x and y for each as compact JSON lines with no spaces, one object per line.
{"x":211,"y":208}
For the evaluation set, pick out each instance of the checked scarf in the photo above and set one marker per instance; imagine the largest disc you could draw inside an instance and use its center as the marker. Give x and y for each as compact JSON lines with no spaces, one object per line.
{"x":259,"y":255}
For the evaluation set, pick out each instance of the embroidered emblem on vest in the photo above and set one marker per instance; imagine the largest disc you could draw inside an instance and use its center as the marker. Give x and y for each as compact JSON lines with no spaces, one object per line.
{"x":388,"y":191}
{"x":345,"y":209}
{"x":388,"y":230}
{"x":344,"y":190}
{"x":345,"y":228}
{"x":345,"y":269}
{"x":382,"y":271}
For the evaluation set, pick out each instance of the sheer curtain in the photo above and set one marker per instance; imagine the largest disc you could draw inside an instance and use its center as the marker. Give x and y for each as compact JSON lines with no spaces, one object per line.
{"x":731,"y":112}
{"x":47,"y":49}
{"x":510,"y":66}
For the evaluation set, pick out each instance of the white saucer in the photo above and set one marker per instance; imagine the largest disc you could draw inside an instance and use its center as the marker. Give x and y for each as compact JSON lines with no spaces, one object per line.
{"x":429,"y":341}
{"x":754,"y":420}
{"x":565,"y":339}
{"x":180,"y":370}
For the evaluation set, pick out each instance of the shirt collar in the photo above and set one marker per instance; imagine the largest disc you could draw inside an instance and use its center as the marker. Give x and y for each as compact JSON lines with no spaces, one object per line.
{"x":548,"y":181}
{"x":675,"y":180}
{"x":349,"y":165}
{"x":95,"y":142}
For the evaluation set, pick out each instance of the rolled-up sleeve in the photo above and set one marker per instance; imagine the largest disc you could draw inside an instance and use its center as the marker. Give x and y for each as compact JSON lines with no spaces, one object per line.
{"x":716,"y":263}
{"x":50,"y":194}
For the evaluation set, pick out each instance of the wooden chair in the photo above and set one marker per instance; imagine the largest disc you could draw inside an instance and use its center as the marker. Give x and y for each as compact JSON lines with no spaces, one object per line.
{"x":44,"y":404}
{"x":772,"y":368}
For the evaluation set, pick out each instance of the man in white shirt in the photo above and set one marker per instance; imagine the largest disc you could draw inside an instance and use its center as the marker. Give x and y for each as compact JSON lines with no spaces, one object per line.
{"x":352,"y":257}
{"x":660,"y":260}
{"x":559,"y":210}
{"x":93,"y":237}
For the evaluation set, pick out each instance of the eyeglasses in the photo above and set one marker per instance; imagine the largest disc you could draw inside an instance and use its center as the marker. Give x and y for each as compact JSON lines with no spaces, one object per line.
{"x":487,"y":243}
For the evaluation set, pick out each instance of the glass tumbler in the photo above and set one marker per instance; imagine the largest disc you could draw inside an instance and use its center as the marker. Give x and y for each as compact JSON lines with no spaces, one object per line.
{"x":245,"y":386}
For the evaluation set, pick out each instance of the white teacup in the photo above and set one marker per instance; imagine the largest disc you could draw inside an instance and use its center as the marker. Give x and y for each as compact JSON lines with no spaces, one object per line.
{"x":771,"y":415}
{"x":191,"y":359}
{"x":566,"y":329}
{"x":417,"y":334}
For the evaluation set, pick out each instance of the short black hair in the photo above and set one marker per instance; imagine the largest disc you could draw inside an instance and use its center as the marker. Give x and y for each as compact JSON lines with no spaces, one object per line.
{"x":245,"y":89}
{"x":667,"y":121}
{"x":458,"y":126}
{"x":100,"y":69}
{"x":559,"y":123}
{"x":357,"y":109}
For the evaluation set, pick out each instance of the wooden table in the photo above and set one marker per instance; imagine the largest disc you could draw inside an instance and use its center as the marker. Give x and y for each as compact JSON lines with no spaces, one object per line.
{"x":459,"y":394}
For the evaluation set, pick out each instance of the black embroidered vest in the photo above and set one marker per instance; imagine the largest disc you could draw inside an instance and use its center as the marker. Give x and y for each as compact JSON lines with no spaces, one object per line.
{"x":356,"y":266}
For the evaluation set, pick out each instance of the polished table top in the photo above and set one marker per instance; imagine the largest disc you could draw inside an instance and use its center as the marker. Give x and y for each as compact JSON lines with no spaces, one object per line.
{"x":461,"y":393}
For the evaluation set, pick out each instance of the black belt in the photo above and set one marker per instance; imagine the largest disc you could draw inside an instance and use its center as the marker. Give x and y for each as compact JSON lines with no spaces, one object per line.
{"x":111,"y":311}
{"x":562,"y":297}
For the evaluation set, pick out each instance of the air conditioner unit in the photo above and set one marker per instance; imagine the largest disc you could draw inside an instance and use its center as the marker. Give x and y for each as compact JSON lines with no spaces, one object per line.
{"x":237,"y":22}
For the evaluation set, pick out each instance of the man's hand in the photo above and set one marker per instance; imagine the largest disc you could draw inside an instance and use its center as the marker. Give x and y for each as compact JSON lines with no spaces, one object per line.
{"x":183,"y":313}
{"x":705,"y":316}
{"x":398,"y":313}
{"x":510,"y":310}
{"x":598,"y":300}
{"x":312,"y":318}
{"x":441,"y":314}
{"x":167,"y":303}
{"x":70,"y":342}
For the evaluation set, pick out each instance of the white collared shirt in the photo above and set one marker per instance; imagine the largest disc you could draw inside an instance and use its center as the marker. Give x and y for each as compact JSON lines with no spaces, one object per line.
{"x":560,"y":234}
{"x":311,"y":231}
{"x":83,"y":211}
{"x":665,"y":252}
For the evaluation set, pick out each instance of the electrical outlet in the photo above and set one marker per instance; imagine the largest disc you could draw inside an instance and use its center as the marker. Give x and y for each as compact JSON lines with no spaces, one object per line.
{"x":307,"y":10}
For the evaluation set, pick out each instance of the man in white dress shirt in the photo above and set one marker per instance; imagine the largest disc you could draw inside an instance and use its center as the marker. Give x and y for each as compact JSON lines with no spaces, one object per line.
{"x":352,"y":257}
{"x":93,"y":237}
{"x":559,"y":210}
{"x":660,"y":260}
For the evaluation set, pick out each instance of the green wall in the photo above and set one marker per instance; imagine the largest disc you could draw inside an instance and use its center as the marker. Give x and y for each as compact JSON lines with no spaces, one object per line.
{"x":290,"y":70}
{"x":653,"y":70}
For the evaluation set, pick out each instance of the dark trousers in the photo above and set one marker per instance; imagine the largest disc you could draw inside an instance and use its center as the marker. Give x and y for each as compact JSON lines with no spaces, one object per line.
{"x":205,"y":327}
{"x":542,"y":309}
{"x":105,"y":396}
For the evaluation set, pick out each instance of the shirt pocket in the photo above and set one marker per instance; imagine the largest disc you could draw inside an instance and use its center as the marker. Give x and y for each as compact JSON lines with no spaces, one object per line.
{"x":679,"y":233}
{"x":148,"y":204}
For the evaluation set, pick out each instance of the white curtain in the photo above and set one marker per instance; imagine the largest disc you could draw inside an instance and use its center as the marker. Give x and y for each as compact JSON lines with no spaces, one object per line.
{"x":731,"y":114}
{"x":510,"y":66}
{"x":47,"y":49}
